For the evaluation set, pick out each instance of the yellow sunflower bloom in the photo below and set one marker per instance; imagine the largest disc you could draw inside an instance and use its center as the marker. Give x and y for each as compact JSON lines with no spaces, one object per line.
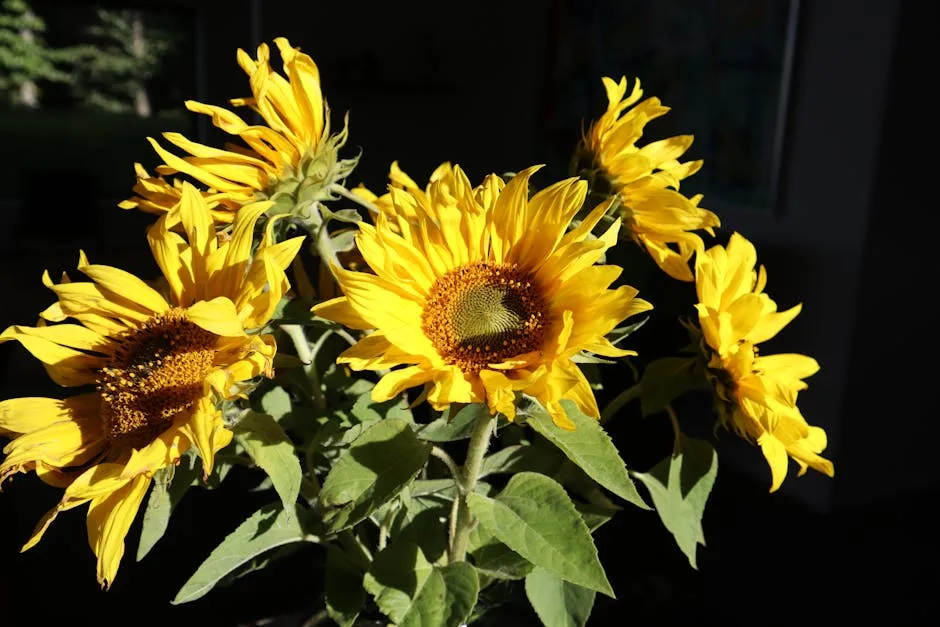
{"x":757,"y":393}
{"x":481,"y":293}
{"x":646,"y":178}
{"x":290,"y":159}
{"x":398,"y":178}
{"x":159,"y":365}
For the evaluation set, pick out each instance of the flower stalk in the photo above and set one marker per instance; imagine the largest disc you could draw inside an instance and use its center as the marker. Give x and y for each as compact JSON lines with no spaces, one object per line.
{"x":462,"y":521}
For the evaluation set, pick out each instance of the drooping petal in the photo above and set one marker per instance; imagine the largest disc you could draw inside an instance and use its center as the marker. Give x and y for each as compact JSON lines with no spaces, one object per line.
{"x":109,"y":519}
{"x":207,"y":433}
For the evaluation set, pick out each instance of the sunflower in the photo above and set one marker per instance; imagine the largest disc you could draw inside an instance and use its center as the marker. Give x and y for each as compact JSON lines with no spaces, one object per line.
{"x":646,"y":179}
{"x":291,"y":159}
{"x":159,"y":365}
{"x":757,"y":393}
{"x":480,"y":293}
{"x":398,"y":178}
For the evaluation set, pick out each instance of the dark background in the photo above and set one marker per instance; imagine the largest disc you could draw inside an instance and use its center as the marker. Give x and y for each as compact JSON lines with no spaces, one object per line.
{"x":839,"y":206}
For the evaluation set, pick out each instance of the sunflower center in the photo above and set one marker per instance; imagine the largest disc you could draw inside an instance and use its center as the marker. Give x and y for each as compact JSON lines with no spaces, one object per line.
{"x":482,"y":313}
{"x":156,"y":374}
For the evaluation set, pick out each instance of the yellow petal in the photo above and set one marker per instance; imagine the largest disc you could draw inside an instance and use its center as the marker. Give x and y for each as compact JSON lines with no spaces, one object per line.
{"x":82,"y":298}
{"x":217,"y":316}
{"x":246,"y":361}
{"x":109,"y":519}
{"x":71,"y":335}
{"x":127,"y":285}
{"x":238,"y":249}
{"x":396,"y":381}
{"x":339,"y":310}
{"x":23,"y":415}
{"x":200,"y":174}
{"x":374,"y":352}
{"x":384,"y":306}
{"x":199,"y":229}
{"x":771,"y":324}
{"x":787,"y":366}
{"x":165,"y":450}
{"x":59,"y":445}
{"x":777,"y":459}
{"x":449,"y":386}
{"x":207,"y":432}
{"x":99,"y":480}
{"x":66,"y":366}
{"x":500,"y":393}
{"x":581,"y":392}
{"x":166,"y":247}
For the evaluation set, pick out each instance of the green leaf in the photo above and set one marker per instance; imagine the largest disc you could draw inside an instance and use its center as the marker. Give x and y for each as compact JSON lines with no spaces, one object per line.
{"x":443,"y":488}
{"x":621,"y":333}
{"x":591,"y":449}
{"x":424,"y":526}
{"x":449,"y":428}
{"x":169,"y":486}
{"x":276,"y":403}
{"x":534,"y":517}
{"x":367,"y":411}
{"x":268,"y":446}
{"x":507,"y":460}
{"x":296,"y":310}
{"x":343,"y":215}
{"x":594,"y":515}
{"x":680,"y":485}
{"x":345,"y":595}
{"x":383,"y":460}
{"x":258,"y":563}
{"x":558,"y":603}
{"x":266,"y":529}
{"x":666,"y":379}
{"x":460,"y":586}
{"x":413,"y":593}
{"x":219,"y":473}
{"x":494,"y":559}
{"x":397,"y":573}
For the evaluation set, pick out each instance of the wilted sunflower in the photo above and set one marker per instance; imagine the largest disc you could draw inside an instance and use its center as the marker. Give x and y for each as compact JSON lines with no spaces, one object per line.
{"x":291,"y":159}
{"x":480,"y":293}
{"x":646,"y":178}
{"x":159,"y":365}
{"x":757,"y":393}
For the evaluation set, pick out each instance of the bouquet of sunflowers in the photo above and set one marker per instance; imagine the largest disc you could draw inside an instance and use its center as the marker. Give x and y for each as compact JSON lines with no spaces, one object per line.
{"x":413,"y":374}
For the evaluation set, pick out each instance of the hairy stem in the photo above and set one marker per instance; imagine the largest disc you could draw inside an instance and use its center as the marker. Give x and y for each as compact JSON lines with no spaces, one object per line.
{"x":479,"y":441}
{"x":336,"y":188}
{"x":296,"y":333}
{"x":442,"y":455}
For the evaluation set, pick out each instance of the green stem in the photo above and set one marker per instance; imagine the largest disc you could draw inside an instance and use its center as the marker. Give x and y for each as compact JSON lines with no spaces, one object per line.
{"x":386,"y":526}
{"x":362,"y":202}
{"x":346,"y":336}
{"x":296,"y":333}
{"x":479,"y":441}
{"x":677,"y":433}
{"x":354,"y":545}
{"x":325,"y":250}
{"x":442,"y":455}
